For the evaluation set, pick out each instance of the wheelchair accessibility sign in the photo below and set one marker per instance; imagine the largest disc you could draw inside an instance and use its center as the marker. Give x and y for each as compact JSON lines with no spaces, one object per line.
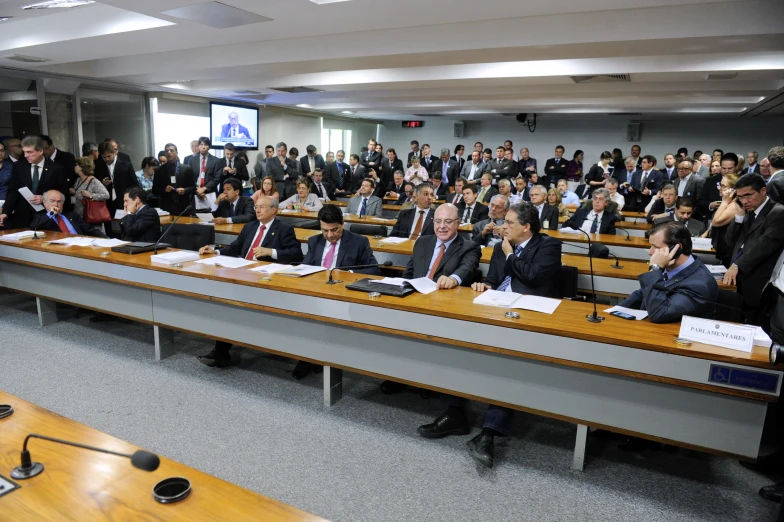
{"x":743,"y":378}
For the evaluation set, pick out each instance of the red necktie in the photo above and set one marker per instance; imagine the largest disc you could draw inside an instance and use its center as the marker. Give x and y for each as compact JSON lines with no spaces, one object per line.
{"x":249,"y":256}
{"x":61,"y":224}
{"x":203,"y":164}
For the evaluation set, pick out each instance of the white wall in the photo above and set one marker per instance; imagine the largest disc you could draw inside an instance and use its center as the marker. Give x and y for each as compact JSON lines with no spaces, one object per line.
{"x":594,"y":134}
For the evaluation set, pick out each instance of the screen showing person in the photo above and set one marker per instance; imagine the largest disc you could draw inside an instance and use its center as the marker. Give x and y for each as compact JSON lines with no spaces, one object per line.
{"x":236,"y":125}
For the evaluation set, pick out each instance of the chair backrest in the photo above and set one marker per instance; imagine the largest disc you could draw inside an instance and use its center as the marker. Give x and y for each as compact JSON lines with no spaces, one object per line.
{"x":189,"y":237}
{"x":567,"y":279}
{"x":370,"y":230}
{"x":732,"y":302}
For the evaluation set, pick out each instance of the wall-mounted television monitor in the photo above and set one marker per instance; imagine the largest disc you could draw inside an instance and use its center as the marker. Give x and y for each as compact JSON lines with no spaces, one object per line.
{"x":234,"y":124}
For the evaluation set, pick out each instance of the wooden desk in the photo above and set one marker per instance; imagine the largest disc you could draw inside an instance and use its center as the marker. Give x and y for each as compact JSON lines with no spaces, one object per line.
{"x":84,"y":485}
{"x":628,"y":377}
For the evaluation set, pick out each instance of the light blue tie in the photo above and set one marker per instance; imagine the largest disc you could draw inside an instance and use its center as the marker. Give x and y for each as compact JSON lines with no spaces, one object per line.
{"x":508,"y":279}
{"x":363,"y":208}
{"x":444,"y":178}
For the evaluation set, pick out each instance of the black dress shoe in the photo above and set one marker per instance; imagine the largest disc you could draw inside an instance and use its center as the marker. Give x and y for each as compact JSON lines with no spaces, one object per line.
{"x":210,"y":355}
{"x":302,"y":370}
{"x":481,"y":448}
{"x":392,"y":387}
{"x":218,"y":360}
{"x":773,"y":492}
{"x":445,"y":425}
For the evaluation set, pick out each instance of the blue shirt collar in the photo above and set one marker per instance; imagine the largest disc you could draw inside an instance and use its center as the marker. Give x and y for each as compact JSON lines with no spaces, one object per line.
{"x":675,"y":271}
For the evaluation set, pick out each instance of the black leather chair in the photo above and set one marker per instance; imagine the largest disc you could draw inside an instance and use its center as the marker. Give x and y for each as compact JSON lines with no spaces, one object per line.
{"x":370,"y":230}
{"x":731,"y":311}
{"x":567,"y":278}
{"x":189,"y":237}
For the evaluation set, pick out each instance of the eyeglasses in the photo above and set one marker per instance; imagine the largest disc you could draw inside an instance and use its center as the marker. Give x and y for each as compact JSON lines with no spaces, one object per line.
{"x":746,"y":196}
{"x":261,"y":207}
{"x":447,"y":222}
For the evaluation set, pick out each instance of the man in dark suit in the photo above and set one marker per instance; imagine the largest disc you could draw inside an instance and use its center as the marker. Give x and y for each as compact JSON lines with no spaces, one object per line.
{"x":230,"y":166}
{"x":757,"y":234}
{"x":174,"y":182}
{"x":57,"y":220}
{"x":116,"y":174}
{"x":357,"y":173}
{"x":233,"y":129}
{"x":486,"y":188}
{"x":444,"y":257}
{"x":427,"y":160}
{"x":459,"y":158}
{"x":121,"y":155}
{"x":469,"y":209}
{"x":263,"y":239}
{"x":555,"y":168}
{"x":594,"y":220}
{"x":397,"y":188}
{"x":441,"y":191}
{"x":39,"y":175}
{"x":206,"y":169}
{"x":414,"y":152}
{"x":624,"y":177}
{"x":386,"y":170}
{"x":323,"y":191}
{"x":232,"y":206}
{"x":418,"y":220}
{"x":670,"y":171}
{"x":751,"y":161}
{"x":370,"y":159}
{"x":490,"y":231}
{"x":548,"y":214}
{"x":312,"y":161}
{"x":688,"y":184}
{"x":284,"y":171}
{"x":500,"y":167}
{"x":664,"y":203}
{"x":525,"y":262}
{"x":141,"y":221}
{"x":448,"y":170}
{"x":684,"y":207}
{"x":66,"y":160}
{"x":645,"y":183}
{"x":775,"y":168}
{"x":338,"y":175}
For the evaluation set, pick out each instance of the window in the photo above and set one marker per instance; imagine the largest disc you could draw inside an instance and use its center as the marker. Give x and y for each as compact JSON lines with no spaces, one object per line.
{"x":333,"y":140}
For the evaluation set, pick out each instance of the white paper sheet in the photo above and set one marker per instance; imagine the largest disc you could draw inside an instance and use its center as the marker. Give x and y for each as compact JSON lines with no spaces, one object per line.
{"x":270,"y":268}
{"x":108,"y":243}
{"x":717,"y":269}
{"x":639,"y":315}
{"x":171,"y":258}
{"x":74,"y":241}
{"x":25,"y":234}
{"x":25,"y":192}
{"x":761,"y":338}
{"x":162,"y":212}
{"x":226,"y":261}
{"x":496,"y":298}
{"x":393,"y":240}
{"x":119,"y":214}
{"x":207,"y":202}
{"x":204,"y":217}
{"x":569,"y":230}
{"x":394,"y":281}
{"x":301,"y":270}
{"x":534,"y":303}
{"x":423,"y":285}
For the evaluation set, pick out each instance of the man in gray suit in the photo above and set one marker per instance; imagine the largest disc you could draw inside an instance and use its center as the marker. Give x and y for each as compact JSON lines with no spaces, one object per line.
{"x":688,"y":184}
{"x":702,"y":166}
{"x":365,"y":203}
{"x":684,"y":207}
{"x":488,"y":232}
{"x":473,"y":170}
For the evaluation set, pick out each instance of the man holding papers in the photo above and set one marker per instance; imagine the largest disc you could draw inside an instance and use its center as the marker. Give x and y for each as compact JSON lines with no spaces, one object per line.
{"x":231,"y":206}
{"x":265,"y":239}
{"x":525,"y":262}
{"x":54,"y":219}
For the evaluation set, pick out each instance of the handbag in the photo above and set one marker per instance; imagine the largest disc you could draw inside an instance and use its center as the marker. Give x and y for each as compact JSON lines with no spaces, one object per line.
{"x":95,"y":212}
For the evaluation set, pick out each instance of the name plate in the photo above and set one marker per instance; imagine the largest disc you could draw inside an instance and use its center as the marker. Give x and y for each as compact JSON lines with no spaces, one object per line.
{"x":701,"y":243}
{"x":743,"y":378}
{"x":718,"y":333}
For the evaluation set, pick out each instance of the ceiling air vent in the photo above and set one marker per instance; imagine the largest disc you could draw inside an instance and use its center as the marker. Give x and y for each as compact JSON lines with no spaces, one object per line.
{"x":601,"y":78}
{"x":721,"y":76}
{"x":26,"y":59}
{"x":296,"y":90}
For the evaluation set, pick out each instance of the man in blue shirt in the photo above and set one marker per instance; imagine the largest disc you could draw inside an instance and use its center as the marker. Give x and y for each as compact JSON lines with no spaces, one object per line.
{"x":54,"y":219}
{"x":567,"y":197}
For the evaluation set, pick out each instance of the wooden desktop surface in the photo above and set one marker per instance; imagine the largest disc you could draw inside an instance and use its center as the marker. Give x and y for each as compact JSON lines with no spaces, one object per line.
{"x":568,"y":320}
{"x":83,"y":485}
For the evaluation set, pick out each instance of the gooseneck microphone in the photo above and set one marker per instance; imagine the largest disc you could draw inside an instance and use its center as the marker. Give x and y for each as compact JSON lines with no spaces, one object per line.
{"x":334,"y":282}
{"x":617,"y":264}
{"x":595,"y":317}
{"x":160,"y":240}
{"x":628,"y":236}
{"x":143,"y":460}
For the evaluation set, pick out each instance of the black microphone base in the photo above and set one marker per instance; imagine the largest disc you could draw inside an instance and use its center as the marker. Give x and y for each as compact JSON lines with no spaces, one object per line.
{"x":20,"y":473}
{"x":334,"y":282}
{"x":594,"y":318}
{"x":617,"y":267}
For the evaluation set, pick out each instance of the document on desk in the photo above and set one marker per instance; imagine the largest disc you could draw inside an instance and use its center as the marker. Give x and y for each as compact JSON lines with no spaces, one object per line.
{"x":162,"y":212}
{"x":206,"y":203}
{"x":74,"y":241}
{"x":533,"y":303}
{"x":393,"y":240}
{"x":172,"y":258}
{"x":423,"y":285}
{"x":119,"y":214}
{"x":25,"y":192}
{"x":108,"y":243}
{"x":569,"y":230}
{"x":270,"y":268}
{"x":301,"y":270}
{"x":639,"y":315}
{"x":204,"y":217}
{"x":25,"y":234}
{"x":717,"y":270}
{"x":226,"y":261}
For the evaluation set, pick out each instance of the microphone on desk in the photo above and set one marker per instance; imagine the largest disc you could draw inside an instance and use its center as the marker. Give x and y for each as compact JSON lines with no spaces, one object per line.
{"x":662,"y":288}
{"x":141,"y":459}
{"x":616,"y":265}
{"x":628,"y":236}
{"x":334,"y":282}
{"x":160,"y":240}
{"x":595,"y":317}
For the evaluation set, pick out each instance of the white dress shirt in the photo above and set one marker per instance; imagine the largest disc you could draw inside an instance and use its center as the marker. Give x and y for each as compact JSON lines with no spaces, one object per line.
{"x":416,"y":218}
{"x":588,"y":223}
{"x":509,"y":288}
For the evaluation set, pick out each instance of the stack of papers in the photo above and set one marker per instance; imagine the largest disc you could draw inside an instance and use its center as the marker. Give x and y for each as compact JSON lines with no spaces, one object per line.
{"x":25,"y":234}
{"x":393,"y":240}
{"x":301,"y":270}
{"x":204,"y":217}
{"x":569,"y":230}
{"x":206,"y":203}
{"x":108,"y":243}
{"x":226,"y":261}
{"x":534,"y":303}
{"x":717,"y":270}
{"x":74,"y":241}
{"x":270,"y":268}
{"x":172,"y":258}
{"x":423,"y":285}
{"x":160,"y":212}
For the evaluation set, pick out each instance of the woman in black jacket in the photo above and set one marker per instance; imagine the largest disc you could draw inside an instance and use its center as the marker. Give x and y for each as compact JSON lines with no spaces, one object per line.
{"x":597,"y":176}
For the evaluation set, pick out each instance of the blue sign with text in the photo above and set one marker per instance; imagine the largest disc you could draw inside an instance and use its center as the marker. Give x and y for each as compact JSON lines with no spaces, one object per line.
{"x":743,"y":378}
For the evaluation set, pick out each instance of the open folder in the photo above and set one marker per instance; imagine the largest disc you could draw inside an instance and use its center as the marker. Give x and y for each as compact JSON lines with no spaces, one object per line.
{"x":534,"y":303}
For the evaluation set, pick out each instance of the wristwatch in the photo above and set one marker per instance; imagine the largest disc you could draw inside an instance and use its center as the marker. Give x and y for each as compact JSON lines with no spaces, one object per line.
{"x":654,"y":267}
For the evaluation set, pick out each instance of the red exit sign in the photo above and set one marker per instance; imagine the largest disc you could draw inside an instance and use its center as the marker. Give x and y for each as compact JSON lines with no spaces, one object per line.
{"x":413,"y":124}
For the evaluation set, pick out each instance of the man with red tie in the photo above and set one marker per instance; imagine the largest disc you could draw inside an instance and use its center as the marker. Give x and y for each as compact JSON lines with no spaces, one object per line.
{"x":457,"y":197}
{"x":54,"y":219}
{"x":265,"y":239}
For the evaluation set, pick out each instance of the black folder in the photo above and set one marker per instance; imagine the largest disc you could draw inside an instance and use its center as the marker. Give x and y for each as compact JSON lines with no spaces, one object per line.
{"x":372,"y":285}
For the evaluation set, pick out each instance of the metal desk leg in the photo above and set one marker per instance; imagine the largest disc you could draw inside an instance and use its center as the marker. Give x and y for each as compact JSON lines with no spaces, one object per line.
{"x":47,"y":311}
{"x":333,"y":386}
{"x":164,"y":343}
{"x":579,"y":447}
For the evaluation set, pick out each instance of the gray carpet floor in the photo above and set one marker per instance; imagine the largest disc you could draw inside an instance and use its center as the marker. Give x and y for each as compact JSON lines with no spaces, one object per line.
{"x":361,"y":460}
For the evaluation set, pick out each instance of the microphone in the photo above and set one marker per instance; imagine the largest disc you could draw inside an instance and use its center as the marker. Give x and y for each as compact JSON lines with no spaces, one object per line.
{"x":628,"y":236}
{"x":662,"y":288}
{"x":143,"y":460}
{"x":616,"y":265}
{"x":160,"y":240}
{"x":595,"y":317}
{"x":334,"y":282}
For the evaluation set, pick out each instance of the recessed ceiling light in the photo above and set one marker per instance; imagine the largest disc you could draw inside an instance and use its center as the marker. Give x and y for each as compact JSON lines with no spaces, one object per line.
{"x":55,"y":4}
{"x":322,"y":2}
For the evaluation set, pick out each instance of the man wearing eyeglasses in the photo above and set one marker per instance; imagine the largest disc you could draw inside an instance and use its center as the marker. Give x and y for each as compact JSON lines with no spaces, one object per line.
{"x":688,"y":184}
{"x":757,"y":234}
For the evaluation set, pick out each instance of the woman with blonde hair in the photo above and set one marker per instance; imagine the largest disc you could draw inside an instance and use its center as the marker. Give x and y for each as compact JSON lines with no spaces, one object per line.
{"x":554,"y":198}
{"x":723,"y":216}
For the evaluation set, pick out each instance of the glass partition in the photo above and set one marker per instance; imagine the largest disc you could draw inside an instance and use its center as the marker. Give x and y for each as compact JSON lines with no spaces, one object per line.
{"x":118,"y":115}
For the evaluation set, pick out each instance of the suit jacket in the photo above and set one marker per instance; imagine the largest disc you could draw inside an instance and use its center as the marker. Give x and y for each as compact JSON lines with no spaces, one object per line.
{"x":762,"y":242}
{"x":357,"y":177}
{"x":776,"y":188}
{"x":243,"y":213}
{"x":460,"y":259}
{"x":668,"y":178}
{"x":693,"y":187}
{"x":607,"y":225}
{"x":695,"y":281}
{"x":241,"y":174}
{"x":373,"y":208}
{"x":595,"y":173}
{"x":481,"y":168}
{"x":124,"y":178}
{"x":582,"y":192}
{"x":51,"y":177}
{"x":623,"y":176}
{"x":550,"y":214}
{"x":332,"y":175}
{"x":279,"y":236}
{"x":489,"y":193}
{"x":41,"y":221}
{"x":171,"y":201}
{"x":400,"y":190}
{"x":368,"y":157}
{"x":386,"y":172}
{"x":405,"y":222}
{"x":213,"y":172}
{"x":476,"y":235}
{"x":145,"y":226}
{"x":479,"y":213}
{"x":637,"y":200}
{"x":558,"y":170}
{"x":503,"y":169}
{"x":460,"y":162}
{"x":533,"y":272}
{"x":318,"y":161}
{"x":704,"y":172}
{"x":67,"y":161}
{"x":328,"y":192}
{"x":428,"y":162}
{"x":226,"y":130}
{"x":709,"y":193}
{"x":442,"y":193}
{"x":452,"y":171}
{"x":354,"y":250}
{"x":657,"y":208}
{"x":278,"y":173}
{"x":694,"y":226}
{"x":752,"y":170}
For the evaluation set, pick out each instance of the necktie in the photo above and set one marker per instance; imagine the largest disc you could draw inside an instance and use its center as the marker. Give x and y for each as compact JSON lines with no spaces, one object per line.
{"x":318,"y":188}
{"x":434,"y":268}
{"x":249,"y":256}
{"x":595,"y":225}
{"x":203,"y":164}
{"x":231,"y":209}
{"x":665,"y":276}
{"x":456,"y":200}
{"x":643,"y":180}
{"x":508,"y":279}
{"x":61,"y":224}
{"x":363,"y":208}
{"x":444,"y":178}
{"x":482,"y":195}
{"x":467,"y":215}
{"x":418,"y":227}
{"x":36,"y":178}
{"x":752,"y":217}
{"x":327,"y":263}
